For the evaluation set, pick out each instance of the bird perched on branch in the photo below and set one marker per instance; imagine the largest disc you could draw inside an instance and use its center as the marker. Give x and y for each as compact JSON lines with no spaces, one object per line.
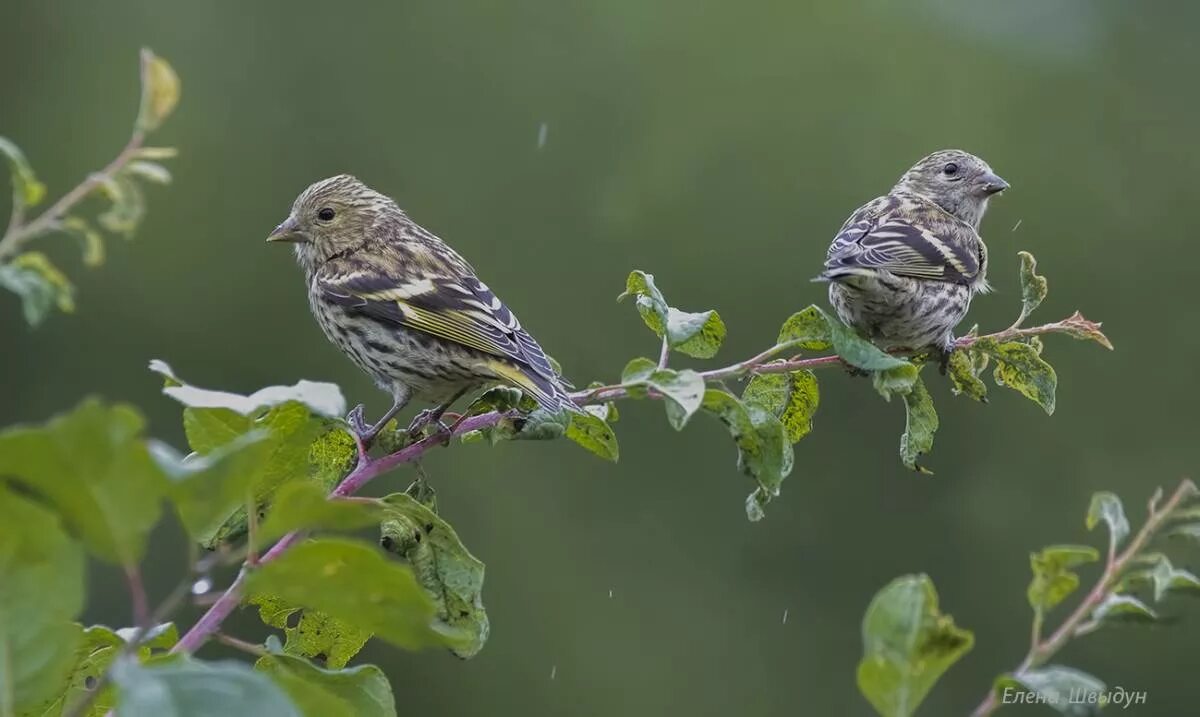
{"x":405,"y":307}
{"x":904,"y":267}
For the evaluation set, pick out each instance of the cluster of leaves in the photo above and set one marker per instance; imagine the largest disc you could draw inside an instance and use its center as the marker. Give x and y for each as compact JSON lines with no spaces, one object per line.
{"x":31,"y":275}
{"x":908,"y":643}
{"x":260,"y":468}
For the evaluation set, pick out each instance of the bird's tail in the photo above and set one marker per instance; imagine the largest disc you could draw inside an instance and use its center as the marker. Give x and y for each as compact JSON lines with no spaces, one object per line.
{"x":550,"y":392}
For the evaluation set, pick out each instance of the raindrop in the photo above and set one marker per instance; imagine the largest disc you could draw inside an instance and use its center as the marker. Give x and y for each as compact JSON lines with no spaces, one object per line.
{"x":543,"y":132}
{"x":1018,"y":224}
{"x":785,"y":616}
{"x":201,"y":586}
{"x":553,"y":671}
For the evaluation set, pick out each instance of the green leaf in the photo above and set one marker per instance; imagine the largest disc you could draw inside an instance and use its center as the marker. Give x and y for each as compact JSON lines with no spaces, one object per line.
{"x":683,"y":391}
{"x":160,"y":91}
{"x":594,"y":434}
{"x":857,"y":351}
{"x":128,"y":205}
{"x":898,"y":379}
{"x":764,"y":451}
{"x":90,"y":239}
{"x":807,"y":329}
{"x":1123,"y":608}
{"x":205,"y":489}
{"x":41,"y":592}
{"x":694,"y":334}
{"x":353,"y":582}
{"x":1107,"y":506}
{"x":39,"y":284}
{"x":698,"y":335}
{"x":964,"y":377}
{"x":313,"y":634}
{"x":188,"y":688}
{"x":93,"y":467}
{"x":1081,"y":328}
{"x":322,"y":399}
{"x":1066,"y":689}
{"x":907,"y":645}
{"x":150,"y":171}
{"x":791,"y":397}
{"x":27,"y":190}
{"x":1167,"y":579}
{"x":1019,"y":367}
{"x":1053,"y":580}
{"x":451,"y":576}
{"x":100,"y":646}
{"x":921,"y":422}
{"x":307,"y":506}
{"x":361,"y":691}
{"x":1033,"y":287}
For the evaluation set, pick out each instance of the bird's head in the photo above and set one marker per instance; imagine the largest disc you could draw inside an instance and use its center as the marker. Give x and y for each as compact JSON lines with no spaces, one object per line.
{"x":334,"y":216}
{"x":956,"y":181}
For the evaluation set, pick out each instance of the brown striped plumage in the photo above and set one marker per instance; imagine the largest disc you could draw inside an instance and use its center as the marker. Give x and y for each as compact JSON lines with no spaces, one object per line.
{"x":904,"y":267}
{"x":404,"y":306}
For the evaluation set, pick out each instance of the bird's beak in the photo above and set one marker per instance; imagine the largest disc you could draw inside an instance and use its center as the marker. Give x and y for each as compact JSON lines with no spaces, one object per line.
{"x":992,"y":184}
{"x":288,"y":231}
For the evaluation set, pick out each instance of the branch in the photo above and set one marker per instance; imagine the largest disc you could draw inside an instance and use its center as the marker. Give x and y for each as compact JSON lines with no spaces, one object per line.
{"x":1077,"y":622}
{"x":18,"y":232}
{"x":369,"y":468}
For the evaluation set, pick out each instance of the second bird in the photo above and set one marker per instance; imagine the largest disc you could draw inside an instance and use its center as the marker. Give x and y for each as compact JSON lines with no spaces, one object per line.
{"x":904,"y":267}
{"x":404,"y":306}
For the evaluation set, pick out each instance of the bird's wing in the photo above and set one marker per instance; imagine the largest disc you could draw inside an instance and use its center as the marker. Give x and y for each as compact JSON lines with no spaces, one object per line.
{"x":461,"y":310}
{"x":905,"y":244}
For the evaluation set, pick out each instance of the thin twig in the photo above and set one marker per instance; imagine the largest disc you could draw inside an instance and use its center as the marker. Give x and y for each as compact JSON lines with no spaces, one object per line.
{"x":1077,"y":623}
{"x":367,"y":468}
{"x":18,"y":233}
{"x":239,"y":644}
{"x":137,"y":595}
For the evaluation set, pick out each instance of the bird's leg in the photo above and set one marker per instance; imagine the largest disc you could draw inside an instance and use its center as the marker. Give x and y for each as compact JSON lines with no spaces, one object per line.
{"x":434,"y":415}
{"x":943,"y":352}
{"x":366,"y":434}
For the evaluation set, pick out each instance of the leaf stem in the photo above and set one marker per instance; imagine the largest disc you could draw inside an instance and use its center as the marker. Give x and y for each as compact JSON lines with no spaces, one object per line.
{"x":137,"y":595}
{"x":1077,"y":622}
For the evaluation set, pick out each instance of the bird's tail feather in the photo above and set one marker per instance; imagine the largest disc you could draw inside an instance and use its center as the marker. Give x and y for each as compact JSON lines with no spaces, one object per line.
{"x":549,"y":392}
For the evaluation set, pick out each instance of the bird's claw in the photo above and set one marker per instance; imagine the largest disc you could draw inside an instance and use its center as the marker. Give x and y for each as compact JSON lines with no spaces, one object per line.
{"x":355,"y":419}
{"x":423,"y":419}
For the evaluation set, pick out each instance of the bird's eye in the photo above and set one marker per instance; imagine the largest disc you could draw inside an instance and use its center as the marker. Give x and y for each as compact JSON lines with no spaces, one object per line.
{"x":950,"y":169}
{"x":325,"y":215}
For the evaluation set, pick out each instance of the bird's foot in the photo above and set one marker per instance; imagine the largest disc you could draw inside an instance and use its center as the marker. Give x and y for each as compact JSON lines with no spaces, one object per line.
{"x":852,"y":369}
{"x":943,"y":354}
{"x":364,"y":433}
{"x":423,"y":419}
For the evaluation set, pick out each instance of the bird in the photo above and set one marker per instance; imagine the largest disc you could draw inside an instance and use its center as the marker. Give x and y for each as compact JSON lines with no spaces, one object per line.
{"x":904,"y":267}
{"x":407,"y":309}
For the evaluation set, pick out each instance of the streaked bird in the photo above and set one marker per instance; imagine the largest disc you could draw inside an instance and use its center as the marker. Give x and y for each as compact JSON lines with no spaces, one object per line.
{"x":904,"y":267}
{"x":405,"y":307}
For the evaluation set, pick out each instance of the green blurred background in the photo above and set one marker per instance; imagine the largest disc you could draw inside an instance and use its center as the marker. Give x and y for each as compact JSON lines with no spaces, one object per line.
{"x":718,"y":145}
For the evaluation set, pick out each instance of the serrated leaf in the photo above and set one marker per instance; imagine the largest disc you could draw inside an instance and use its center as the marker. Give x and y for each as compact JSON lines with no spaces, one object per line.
{"x":1079,"y":327}
{"x":908,"y":643}
{"x":1053,"y":579}
{"x":160,"y":91}
{"x":1123,"y":608}
{"x":40,"y":595}
{"x":1033,"y":286}
{"x":921,"y":423}
{"x":89,"y":238}
{"x":39,"y":284}
{"x":353,"y":582}
{"x":792,"y":397}
{"x":323,"y":399}
{"x":1167,"y":578}
{"x":26,"y":188}
{"x":361,"y":691}
{"x":964,"y":379}
{"x":450,"y":575}
{"x":593,"y":433}
{"x":93,"y":467}
{"x":764,"y":452}
{"x":1066,"y":689}
{"x":1106,"y":506}
{"x":808,"y":329}
{"x":857,"y":351}
{"x":312,"y":634}
{"x":895,"y":380}
{"x":188,"y":688}
{"x":683,"y":391}
{"x":1019,"y":367}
